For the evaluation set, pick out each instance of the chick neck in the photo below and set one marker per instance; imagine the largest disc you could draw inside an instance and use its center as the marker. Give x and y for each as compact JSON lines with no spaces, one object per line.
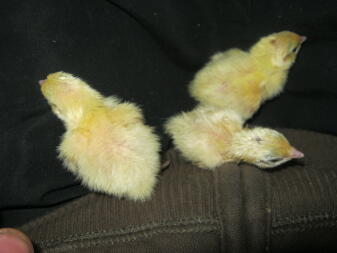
{"x":81,"y":112}
{"x":272,"y":73}
{"x":261,"y":54}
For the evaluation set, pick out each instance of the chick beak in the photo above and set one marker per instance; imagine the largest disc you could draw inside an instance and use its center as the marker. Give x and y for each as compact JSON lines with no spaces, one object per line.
{"x":294,"y":153}
{"x":303,"y":38}
{"x":41,"y":82}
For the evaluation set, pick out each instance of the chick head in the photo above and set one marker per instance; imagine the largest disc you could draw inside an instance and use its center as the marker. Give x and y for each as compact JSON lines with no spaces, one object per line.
{"x":68,"y":95}
{"x":281,"y":48}
{"x":263,"y":147}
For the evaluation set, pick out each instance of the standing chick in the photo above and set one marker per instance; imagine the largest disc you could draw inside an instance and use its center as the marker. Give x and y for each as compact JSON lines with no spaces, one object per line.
{"x":210,"y":137}
{"x":240,"y":80}
{"x":106,"y":143}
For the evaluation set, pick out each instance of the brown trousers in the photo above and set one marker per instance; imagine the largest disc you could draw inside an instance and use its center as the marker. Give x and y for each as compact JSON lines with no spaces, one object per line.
{"x":236,"y":208}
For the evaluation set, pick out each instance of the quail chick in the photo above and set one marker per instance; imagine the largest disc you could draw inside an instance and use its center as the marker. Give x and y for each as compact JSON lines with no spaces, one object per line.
{"x":106,"y":143}
{"x":242,"y":81}
{"x":209,"y":137}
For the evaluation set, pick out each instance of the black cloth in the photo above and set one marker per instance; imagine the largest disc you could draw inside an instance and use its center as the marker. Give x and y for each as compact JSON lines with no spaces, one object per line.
{"x":233,"y":209}
{"x":146,"y":52}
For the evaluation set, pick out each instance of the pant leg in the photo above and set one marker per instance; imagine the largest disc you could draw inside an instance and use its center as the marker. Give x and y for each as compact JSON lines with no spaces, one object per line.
{"x":146,"y":52}
{"x":303,"y":198}
{"x":236,"y":208}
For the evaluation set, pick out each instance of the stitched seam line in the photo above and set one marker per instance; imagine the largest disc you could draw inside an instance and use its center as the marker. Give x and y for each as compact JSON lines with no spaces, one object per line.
{"x":268,"y":222}
{"x":302,"y":219}
{"x":129,"y":229}
{"x":106,"y":238}
{"x":301,"y":227}
{"x":110,"y":241}
{"x":244,"y":213}
{"x":217,"y":202}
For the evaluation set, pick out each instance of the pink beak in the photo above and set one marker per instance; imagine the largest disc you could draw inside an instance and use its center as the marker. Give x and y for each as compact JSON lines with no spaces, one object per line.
{"x":296,"y":154}
{"x":303,"y":38}
{"x":41,"y":82}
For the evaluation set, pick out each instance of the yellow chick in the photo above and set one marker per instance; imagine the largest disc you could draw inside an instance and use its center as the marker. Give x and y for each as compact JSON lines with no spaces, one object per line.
{"x":209,"y":137}
{"x":242,"y":81}
{"x":106,"y":143}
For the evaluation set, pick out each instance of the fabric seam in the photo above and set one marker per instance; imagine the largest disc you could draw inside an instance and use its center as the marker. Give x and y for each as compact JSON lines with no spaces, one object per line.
{"x":125,"y":236}
{"x":218,"y":210}
{"x":304,"y":227}
{"x":292,"y":220}
{"x":267,"y":232}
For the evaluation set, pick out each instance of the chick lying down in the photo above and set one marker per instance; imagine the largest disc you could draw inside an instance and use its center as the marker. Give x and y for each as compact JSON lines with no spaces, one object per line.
{"x":106,"y":143}
{"x":209,"y":137}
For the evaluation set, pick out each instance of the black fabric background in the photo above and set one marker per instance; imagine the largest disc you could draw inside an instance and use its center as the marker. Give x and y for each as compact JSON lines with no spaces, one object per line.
{"x":146,"y":52}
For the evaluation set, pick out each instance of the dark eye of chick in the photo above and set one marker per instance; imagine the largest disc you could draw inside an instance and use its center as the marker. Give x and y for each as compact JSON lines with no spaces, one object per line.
{"x":295,"y":49}
{"x":258,"y":139}
{"x":275,"y":160}
{"x":54,"y":107}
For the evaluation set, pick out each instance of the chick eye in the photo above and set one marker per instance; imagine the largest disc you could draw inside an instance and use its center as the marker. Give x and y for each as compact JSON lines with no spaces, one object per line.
{"x":295,"y":49}
{"x":258,"y":139}
{"x":275,"y":160}
{"x":54,"y":107}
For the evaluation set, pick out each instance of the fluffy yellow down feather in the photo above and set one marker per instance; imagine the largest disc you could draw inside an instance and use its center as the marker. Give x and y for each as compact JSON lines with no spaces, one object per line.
{"x":209,"y":137}
{"x":240,"y":80}
{"x":106,"y":143}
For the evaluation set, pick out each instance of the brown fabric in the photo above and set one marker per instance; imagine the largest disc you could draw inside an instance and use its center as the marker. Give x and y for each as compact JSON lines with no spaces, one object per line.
{"x":236,"y":208}
{"x":304,"y":197}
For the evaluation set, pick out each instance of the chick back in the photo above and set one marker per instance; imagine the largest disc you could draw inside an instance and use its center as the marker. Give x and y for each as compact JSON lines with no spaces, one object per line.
{"x":229,"y":81}
{"x":204,"y":135}
{"x":112,"y":151}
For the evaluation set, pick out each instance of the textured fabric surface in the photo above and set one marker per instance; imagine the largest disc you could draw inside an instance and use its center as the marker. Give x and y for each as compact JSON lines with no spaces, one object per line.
{"x":236,"y":208}
{"x":146,"y":52}
{"x":304,"y":200}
